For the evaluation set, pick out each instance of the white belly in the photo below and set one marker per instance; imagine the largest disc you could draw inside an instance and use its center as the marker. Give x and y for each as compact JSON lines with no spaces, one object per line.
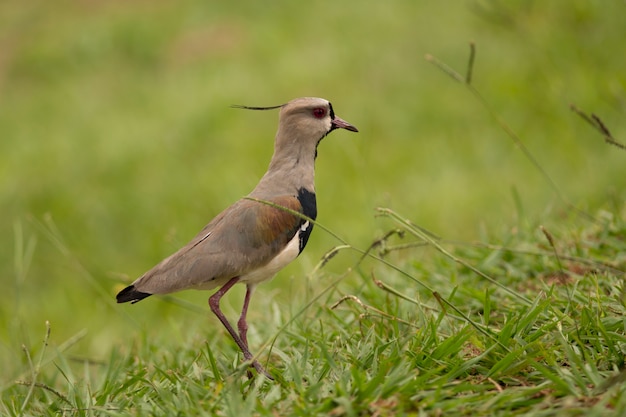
{"x":281,"y":260}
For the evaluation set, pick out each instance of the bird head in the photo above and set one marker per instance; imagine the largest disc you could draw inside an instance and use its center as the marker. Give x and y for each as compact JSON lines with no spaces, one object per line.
{"x":305,"y":121}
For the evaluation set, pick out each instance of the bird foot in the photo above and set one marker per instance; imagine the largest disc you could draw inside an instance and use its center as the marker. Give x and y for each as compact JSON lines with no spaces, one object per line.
{"x":259,"y":368}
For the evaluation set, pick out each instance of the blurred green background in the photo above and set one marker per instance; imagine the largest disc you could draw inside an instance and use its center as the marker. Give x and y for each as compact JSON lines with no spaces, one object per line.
{"x":118,"y":143}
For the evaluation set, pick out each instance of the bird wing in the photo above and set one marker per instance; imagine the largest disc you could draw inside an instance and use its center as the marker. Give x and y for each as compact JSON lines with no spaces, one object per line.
{"x":245,"y":236}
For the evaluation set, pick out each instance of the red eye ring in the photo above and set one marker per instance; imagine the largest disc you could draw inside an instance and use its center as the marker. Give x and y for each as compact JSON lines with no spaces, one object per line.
{"x":319,"y":112}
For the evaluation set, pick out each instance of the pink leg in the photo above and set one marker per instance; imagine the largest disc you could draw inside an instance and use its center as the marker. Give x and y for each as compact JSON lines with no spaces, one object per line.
{"x":214,"y":303}
{"x":242,"y":324}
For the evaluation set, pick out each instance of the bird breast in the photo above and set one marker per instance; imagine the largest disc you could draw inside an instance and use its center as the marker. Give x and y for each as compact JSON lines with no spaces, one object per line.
{"x":284,"y":257}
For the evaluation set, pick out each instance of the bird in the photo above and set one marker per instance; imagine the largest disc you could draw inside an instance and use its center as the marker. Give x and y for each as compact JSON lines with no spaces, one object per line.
{"x":257,"y":236}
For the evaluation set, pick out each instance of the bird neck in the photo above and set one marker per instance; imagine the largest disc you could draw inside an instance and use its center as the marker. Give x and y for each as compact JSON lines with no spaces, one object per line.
{"x":289,"y":171}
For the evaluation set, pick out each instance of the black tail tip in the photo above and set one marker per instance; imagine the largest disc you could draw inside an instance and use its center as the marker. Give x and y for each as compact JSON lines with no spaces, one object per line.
{"x":131,"y":294}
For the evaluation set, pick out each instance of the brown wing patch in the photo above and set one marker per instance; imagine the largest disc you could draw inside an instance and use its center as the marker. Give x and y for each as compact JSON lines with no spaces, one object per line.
{"x":276,"y":225}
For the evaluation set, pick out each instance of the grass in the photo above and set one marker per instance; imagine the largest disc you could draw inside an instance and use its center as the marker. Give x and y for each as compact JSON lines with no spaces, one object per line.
{"x":548,"y":340}
{"x":119,"y":143}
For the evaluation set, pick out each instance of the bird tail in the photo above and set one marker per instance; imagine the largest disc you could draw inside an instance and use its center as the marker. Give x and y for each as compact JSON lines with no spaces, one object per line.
{"x":131,"y":294}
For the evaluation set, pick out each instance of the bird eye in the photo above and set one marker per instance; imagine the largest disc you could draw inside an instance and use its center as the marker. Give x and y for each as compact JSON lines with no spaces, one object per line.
{"x":319,"y":112}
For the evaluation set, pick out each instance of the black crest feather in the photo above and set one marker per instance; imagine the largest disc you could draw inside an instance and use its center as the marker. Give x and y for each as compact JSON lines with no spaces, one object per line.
{"x":239,"y":106}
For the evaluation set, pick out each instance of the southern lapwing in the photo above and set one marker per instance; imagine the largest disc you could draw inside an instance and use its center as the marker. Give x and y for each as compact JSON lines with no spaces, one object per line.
{"x":256,"y":237}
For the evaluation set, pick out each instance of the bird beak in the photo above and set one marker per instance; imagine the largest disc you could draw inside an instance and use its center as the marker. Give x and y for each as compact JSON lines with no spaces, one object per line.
{"x":339,"y":123}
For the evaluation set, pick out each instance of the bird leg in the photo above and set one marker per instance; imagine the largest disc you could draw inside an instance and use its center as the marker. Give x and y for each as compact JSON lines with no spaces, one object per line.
{"x":242,"y":342}
{"x":242,"y":324}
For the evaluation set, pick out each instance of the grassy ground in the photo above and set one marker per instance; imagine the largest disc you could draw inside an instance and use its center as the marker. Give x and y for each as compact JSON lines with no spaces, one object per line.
{"x":118,"y":144}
